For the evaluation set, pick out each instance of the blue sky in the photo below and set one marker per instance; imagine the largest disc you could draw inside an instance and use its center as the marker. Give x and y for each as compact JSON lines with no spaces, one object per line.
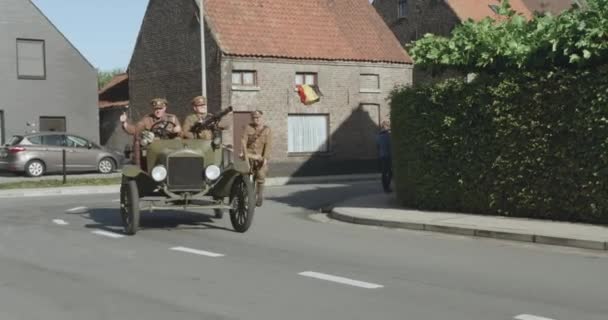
{"x":104,"y":31}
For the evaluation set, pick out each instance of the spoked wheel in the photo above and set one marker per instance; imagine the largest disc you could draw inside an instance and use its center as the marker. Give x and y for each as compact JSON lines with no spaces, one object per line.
{"x":242,"y":200}
{"x":129,"y":206}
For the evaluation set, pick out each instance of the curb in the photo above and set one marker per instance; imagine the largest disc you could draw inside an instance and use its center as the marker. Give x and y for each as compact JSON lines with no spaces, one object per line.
{"x":271,"y":182}
{"x":61,"y":191}
{"x":482,"y":233}
{"x":282,"y":181}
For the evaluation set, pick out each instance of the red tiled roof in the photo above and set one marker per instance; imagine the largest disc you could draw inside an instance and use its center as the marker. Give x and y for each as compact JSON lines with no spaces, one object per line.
{"x":348,"y":30}
{"x":553,"y":6}
{"x":115,"y":81}
{"x":110,"y":104}
{"x":480,"y":9}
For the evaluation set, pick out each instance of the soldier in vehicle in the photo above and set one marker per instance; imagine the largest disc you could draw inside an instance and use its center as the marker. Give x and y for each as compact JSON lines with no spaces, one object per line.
{"x":158,"y":118}
{"x":190,"y":130}
{"x":256,"y":147}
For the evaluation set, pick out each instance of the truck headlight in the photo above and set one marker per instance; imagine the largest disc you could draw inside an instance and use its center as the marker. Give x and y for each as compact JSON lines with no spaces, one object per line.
{"x":159,"y":173}
{"x":212,"y":172}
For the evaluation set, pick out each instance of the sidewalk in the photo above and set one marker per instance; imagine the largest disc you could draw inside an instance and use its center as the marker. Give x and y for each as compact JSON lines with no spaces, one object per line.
{"x":109,"y":189}
{"x":382,"y":210}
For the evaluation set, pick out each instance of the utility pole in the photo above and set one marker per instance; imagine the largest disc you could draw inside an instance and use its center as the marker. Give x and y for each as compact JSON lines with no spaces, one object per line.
{"x":203,"y":54}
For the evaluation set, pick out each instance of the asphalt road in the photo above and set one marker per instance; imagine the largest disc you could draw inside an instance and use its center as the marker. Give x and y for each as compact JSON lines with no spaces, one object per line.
{"x":65,"y":258}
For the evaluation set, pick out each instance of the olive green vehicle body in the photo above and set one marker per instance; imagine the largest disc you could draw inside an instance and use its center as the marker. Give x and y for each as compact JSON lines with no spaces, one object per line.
{"x":158,"y":153}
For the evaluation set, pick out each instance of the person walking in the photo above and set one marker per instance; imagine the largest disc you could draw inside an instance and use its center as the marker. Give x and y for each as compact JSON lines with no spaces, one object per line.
{"x":383,"y":142}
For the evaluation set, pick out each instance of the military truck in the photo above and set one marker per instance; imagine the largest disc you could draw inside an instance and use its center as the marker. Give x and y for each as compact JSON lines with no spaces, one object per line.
{"x":186,"y":174}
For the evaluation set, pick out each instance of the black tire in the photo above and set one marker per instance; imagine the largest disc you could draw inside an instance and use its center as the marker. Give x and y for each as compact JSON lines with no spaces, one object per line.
{"x":242,"y":200}
{"x":106,"y":166}
{"x":129,"y":206}
{"x":35,"y":168}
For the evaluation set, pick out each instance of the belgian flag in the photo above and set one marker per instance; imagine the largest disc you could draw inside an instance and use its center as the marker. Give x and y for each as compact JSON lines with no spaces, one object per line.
{"x":309,"y":94}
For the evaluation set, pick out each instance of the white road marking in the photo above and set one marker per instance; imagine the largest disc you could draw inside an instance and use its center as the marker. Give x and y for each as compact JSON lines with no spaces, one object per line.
{"x":116,"y":200}
{"x":108,"y":234}
{"x":199,"y":252}
{"x":60,"y":222}
{"x":77,"y":209}
{"x":342,"y":280}
{"x":530,"y":317}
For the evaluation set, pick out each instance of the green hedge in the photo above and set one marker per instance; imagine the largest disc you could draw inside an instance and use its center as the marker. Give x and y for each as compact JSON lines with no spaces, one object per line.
{"x":516,"y":144}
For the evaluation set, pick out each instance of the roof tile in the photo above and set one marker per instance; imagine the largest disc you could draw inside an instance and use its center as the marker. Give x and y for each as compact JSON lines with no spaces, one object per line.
{"x":349,"y":30}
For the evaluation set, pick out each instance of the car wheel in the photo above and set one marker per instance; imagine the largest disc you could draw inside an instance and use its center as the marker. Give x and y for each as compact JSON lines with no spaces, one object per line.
{"x":106,"y":165}
{"x":242,"y":200}
{"x":34,"y":168}
{"x":129,"y":206}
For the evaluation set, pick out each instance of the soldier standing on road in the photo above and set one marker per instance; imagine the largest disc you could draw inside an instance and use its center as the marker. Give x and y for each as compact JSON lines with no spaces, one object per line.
{"x":148,"y":121}
{"x":199,"y":106}
{"x":385,"y":155}
{"x":256,"y":146}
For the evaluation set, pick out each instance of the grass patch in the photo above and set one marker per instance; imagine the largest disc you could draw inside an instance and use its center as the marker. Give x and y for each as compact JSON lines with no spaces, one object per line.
{"x":59,"y":183}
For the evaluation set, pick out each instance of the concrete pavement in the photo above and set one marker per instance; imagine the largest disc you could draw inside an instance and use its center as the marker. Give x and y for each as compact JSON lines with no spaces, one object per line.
{"x":66,"y":258}
{"x":56,"y":191}
{"x":382,"y":210}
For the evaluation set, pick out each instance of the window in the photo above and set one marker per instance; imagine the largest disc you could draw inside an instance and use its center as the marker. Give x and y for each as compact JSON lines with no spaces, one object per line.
{"x":52,"y":124}
{"x":14,"y":140}
{"x":76,"y":142}
{"x":35,"y":140}
{"x":308,"y":133}
{"x":53,"y":140}
{"x":31,"y":59}
{"x":306,"y":78}
{"x":402,"y":11}
{"x":369,"y":82}
{"x":244,"y":78}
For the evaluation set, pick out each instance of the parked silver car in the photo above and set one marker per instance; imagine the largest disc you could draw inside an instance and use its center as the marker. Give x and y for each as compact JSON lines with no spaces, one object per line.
{"x":38,"y":153}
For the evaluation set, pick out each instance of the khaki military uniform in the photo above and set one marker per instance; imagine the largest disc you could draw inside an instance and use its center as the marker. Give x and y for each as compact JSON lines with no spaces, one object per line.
{"x":256,"y":144}
{"x":190,"y":121}
{"x":148,"y":121}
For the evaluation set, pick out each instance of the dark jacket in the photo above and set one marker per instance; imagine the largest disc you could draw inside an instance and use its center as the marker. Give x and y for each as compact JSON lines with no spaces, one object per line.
{"x":383,"y":141}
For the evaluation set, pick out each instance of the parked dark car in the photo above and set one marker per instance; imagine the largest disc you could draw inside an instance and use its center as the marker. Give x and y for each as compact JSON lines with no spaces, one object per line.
{"x":39,"y":153}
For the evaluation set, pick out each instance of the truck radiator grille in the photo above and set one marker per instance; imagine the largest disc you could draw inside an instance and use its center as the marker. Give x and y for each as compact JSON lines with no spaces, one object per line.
{"x":185,"y":173}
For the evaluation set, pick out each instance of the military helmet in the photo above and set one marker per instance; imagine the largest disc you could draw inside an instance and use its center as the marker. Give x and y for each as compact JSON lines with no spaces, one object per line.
{"x":159,"y":103}
{"x":199,"y":100}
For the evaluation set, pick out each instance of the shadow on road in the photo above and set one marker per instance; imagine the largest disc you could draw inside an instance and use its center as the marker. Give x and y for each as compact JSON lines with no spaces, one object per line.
{"x":322,"y":197}
{"x":109,"y":219}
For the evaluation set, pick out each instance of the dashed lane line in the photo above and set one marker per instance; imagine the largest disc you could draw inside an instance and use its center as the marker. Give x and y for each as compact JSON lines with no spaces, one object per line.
{"x":342,"y":280}
{"x":530,"y":317}
{"x":77,"y":209}
{"x":108,"y":234}
{"x":60,"y":222}
{"x":198,"y":252}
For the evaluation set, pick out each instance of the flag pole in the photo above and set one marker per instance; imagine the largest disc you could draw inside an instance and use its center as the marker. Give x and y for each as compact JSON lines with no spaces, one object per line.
{"x":203,"y":55}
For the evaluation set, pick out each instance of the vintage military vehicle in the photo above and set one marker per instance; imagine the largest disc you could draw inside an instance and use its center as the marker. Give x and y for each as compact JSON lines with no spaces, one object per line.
{"x":186,"y":174}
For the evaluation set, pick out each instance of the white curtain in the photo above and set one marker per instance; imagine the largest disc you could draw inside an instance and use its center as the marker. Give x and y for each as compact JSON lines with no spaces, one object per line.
{"x":307,"y":133}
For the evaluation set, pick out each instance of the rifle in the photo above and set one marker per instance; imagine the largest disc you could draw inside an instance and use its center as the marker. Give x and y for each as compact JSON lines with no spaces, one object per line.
{"x":210,"y":122}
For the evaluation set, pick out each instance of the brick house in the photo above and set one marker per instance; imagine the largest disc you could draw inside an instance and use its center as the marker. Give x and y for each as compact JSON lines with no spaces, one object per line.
{"x":411,"y":19}
{"x":46,"y":84}
{"x":113,"y":101}
{"x":256,"y":53}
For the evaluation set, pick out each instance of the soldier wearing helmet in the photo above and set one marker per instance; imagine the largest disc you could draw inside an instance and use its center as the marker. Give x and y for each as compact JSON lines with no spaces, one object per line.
{"x":200,"y":114}
{"x":158,"y":115}
{"x":256,"y":147}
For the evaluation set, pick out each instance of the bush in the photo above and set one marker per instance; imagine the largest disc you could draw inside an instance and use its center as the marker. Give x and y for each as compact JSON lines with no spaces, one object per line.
{"x":529,"y":144}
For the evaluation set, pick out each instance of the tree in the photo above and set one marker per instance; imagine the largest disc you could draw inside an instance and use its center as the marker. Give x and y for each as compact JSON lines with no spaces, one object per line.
{"x":103,"y":77}
{"x":576,"y":38}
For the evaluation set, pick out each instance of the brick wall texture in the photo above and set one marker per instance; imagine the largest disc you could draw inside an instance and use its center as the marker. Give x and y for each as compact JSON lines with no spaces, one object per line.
{"x":166,"y":63}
